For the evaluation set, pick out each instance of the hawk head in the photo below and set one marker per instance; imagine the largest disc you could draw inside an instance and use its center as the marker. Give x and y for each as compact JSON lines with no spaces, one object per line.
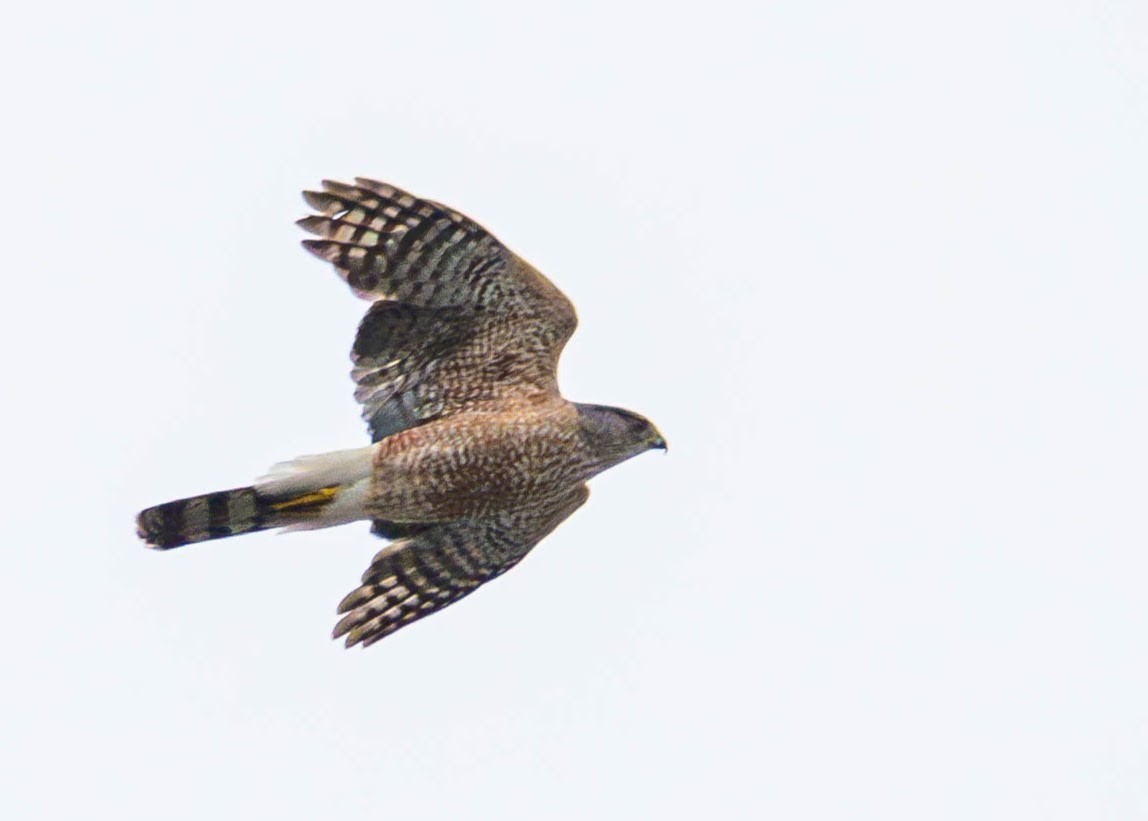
{"x":615,"y":434}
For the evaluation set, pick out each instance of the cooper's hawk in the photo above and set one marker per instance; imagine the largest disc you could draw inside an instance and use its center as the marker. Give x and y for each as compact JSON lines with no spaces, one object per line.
{"x":475,"y":456}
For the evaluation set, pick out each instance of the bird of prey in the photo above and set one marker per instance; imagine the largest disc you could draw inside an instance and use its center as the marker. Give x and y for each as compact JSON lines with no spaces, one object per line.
{"x":475,"y":455}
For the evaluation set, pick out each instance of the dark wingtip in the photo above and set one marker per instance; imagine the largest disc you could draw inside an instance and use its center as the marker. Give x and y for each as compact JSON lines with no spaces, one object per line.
{"x":342,"y":627}
{"x":320,"y":226}
{"x":318,"y":200}
{"x":324,"y":249}
{"x":347,"y":630}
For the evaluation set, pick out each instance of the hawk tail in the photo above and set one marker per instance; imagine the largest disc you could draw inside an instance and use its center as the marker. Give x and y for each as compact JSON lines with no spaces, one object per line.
{"x":210,"y":516}
{"x":306,"y":493}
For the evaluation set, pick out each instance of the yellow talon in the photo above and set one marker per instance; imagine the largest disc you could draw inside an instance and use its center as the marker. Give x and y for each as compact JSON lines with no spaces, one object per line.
{"x":318,"y":498}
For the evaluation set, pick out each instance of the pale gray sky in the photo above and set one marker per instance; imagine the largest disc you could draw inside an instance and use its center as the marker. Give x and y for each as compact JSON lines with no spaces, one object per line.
{"x":877,"y":270}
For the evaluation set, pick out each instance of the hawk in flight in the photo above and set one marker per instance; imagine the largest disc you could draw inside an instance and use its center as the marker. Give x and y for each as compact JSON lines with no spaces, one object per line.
{"x":475,"y":455}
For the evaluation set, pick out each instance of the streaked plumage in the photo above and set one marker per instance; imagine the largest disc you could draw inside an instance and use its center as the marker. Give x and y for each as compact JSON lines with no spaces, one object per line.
{"x":475,"y":457}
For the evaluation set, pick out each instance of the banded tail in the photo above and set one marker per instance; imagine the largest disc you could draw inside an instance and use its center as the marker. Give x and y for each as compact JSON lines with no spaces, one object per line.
{"x":309,"y":492}
{"x":211,"y":516}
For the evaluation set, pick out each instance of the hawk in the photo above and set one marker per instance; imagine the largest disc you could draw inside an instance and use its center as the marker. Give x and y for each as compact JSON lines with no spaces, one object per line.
{"x":475,"y":455}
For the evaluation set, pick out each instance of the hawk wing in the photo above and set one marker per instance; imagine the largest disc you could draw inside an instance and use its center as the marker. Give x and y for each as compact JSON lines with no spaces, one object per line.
{"x":437,"y":565}
{"x":457,"y":318}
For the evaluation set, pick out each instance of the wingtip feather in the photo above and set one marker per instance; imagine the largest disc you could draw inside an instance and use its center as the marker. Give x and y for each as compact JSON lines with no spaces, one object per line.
{"x":324,"y":203}
{"x":344,"y":190}
{"x":315,"y":224}
{"x":324,"y":249}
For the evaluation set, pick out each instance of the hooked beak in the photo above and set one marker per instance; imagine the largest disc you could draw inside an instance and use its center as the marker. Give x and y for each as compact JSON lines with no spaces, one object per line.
{"x":659,"y":442}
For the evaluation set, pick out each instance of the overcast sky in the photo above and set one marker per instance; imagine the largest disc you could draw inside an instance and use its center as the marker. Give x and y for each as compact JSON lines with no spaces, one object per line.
{"x":879,"y":272}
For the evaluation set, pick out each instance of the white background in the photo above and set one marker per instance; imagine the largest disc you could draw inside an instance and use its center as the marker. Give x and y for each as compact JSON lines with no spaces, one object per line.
{"x":877,"y":270}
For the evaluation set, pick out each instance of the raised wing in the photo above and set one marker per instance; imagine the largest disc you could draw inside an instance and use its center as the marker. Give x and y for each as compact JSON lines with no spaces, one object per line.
{"x":436,"y":565}
{"x":458,"y":319}
{"x":388,"y":244}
